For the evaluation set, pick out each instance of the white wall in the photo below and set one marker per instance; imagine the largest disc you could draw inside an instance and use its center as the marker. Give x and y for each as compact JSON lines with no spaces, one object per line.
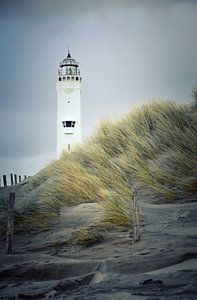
{"x":68,"y":109}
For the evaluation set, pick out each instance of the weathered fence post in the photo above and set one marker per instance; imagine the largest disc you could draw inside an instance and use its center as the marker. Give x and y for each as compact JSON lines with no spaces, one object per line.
{"x":19,"y":178}
{"x":136,"y":218}
{"x":15,"y":178}
{"x":4,"y":181}
{"x":10,"y":224}
{"x":11,"y":179}
{"x":25,"y":177}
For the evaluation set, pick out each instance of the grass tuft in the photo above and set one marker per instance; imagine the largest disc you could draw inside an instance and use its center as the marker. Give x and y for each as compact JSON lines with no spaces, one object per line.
{"x":85,"y":237}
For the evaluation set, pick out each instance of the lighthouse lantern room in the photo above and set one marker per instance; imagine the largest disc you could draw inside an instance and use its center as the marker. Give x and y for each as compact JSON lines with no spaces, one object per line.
{"x":68,"y":104}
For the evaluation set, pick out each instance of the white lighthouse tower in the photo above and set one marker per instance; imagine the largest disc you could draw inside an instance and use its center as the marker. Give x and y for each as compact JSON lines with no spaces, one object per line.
{"x":68,"y":104}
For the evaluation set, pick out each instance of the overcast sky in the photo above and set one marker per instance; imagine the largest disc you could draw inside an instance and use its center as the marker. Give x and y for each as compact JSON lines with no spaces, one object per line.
{"x":128,"y":51}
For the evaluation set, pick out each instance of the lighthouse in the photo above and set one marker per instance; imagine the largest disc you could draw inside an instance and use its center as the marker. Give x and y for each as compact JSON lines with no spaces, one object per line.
{"x":68,"y":104}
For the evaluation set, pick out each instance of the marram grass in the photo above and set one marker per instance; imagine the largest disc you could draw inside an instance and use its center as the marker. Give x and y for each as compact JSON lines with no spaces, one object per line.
{"x":154,"y":145}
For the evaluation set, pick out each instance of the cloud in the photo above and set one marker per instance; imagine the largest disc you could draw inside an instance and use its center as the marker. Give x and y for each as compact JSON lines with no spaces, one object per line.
{"x":26,"y":134}
{"x":42,"y":10}
{"x":128,"y":51}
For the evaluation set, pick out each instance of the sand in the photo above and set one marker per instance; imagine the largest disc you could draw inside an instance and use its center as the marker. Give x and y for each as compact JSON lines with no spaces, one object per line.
{"x":162,"y":265}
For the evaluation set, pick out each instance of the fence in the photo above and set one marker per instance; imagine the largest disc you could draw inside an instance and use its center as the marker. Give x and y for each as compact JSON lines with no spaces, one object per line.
{"x":12,"y":179}
{"x":135,"y":233}
{"x":136,"y":226}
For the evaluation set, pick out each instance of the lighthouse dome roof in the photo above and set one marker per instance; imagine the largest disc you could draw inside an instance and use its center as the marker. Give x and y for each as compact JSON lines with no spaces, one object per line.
{"x":69,"y":61}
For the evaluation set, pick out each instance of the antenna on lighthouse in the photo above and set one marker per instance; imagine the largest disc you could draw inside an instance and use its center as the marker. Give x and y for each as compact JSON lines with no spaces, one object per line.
{"x":69,"y":33}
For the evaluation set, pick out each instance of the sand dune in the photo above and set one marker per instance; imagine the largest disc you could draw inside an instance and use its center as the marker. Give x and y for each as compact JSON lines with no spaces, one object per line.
{"x":162,"y":265}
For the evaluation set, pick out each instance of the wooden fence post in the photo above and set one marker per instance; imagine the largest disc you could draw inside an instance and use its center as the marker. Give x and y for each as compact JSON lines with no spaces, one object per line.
{"x":4,"y":181}
{"x":19,"y":178}
{"x":10,"y":224}
{"x":136,"y":218}
{"x":15,"y":178}
{"x":12,"y":179}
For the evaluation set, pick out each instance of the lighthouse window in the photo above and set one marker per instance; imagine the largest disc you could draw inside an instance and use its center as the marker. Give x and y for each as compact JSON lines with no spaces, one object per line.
{"x":60,"y":78}
{"x":77,"y":78}
{"x":72,"y":78}
{"x":68,"y":124}
{"x":68,"y":78}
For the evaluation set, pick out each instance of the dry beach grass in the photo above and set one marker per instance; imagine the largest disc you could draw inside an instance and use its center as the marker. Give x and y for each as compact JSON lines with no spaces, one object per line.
{"x":154,"y":145}
{"x":73,"y":218}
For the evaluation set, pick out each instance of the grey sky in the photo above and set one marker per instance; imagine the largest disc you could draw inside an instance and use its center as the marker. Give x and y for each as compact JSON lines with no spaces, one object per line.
{"x":128,"y":51}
